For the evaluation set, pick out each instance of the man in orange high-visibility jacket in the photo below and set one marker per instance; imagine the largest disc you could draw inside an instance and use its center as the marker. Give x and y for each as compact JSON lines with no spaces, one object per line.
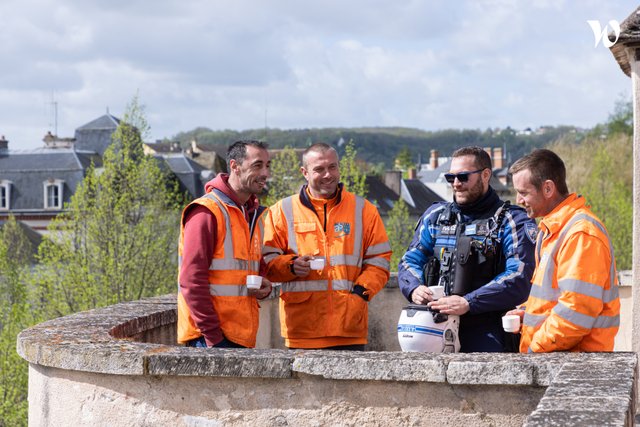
{"x":215,"y":307}
{"x":325,"y":307}
{"x":574,"y":303}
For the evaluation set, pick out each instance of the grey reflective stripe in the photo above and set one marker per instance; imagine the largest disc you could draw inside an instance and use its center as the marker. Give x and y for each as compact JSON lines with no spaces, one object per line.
{"x":378,"y":262}
{"x":269,"y":253}
{"x":228,"y":238}
{"x":269,"y":258}
{"x":583,"y":320}
{"x":539,"y":240}
{"x":378,"y":249}
{"x":287,"y":209}
{"x":580,"y":287}
{"x":357,"y":236}
{"x":610,"y":294}
{"x":228,"y":264}
{"x":342,"y":285}
{"x":351,"y":260}
{"x":271,"y":249}
{"x":549,"y":271}
{"x":317,"y":286}
{"x":305,"y":286}
{"x":228,"y":290}
{"x":607,"y":322}
{"x":533,"y":320}
{"x":261,"y":227}
{"x":254,"y":265}
{"x":545,"y":292}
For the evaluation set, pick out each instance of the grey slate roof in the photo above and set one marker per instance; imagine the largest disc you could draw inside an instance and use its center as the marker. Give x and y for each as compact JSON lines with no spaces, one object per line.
{"x":96,"y":135}
{"x":190,"y":174}
{"x":29,"y":170}
{"x":421,"y":195}
{"x":417,"y":196}
{"x":433,"y":175}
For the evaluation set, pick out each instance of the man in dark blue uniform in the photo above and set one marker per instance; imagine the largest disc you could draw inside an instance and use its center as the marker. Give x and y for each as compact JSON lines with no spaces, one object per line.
{"x":479,"y":247}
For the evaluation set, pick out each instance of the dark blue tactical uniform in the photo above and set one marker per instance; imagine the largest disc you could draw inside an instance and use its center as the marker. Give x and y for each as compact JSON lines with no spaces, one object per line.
{"x":498,"y":261}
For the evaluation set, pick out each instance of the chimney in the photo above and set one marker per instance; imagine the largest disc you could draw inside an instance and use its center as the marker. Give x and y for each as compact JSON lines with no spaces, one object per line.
{"x":392,"y":180}
{"x":4,"y":145}
{"x":433,"y":161}
{"x":498,"y":160}
{"x":411,"y":173}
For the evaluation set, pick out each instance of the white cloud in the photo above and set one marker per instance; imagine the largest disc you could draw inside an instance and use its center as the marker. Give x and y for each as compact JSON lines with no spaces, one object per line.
{"x":236,"y":64}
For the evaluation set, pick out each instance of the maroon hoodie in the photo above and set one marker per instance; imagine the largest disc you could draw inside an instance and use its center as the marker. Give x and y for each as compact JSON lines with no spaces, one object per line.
{"x":197,"y":251}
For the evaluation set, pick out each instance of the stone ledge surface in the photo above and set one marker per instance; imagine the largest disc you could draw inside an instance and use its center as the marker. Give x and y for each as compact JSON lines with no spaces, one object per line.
{"x":593,"y":389}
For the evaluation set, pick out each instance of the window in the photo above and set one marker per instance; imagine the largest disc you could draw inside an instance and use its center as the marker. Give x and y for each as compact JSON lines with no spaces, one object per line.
{"x":53,"y":194}
{"x":5,"y":195}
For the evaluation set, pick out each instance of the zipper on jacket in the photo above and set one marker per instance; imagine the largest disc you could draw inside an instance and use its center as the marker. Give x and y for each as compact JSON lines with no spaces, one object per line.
{"x":325,"y":218}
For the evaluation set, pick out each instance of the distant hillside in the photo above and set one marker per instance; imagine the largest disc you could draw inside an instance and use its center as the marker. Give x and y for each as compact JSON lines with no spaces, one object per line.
{"x":382,"y":145}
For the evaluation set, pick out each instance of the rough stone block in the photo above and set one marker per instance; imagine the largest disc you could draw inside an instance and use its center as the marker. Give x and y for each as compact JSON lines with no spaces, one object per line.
{"x":371,"y":366}
{"x":221,"y":363}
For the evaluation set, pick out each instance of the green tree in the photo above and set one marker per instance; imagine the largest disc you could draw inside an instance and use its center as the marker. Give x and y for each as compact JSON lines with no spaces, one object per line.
{"x":602,"y":171}
{"x":351,"y":173}
{"x":404,"y":161}
{"x":621,"y":121}
{"x":15,"y":315}
{"x":116,"y":240}
{"x":399,"y":230}
{"x":286,"y":177}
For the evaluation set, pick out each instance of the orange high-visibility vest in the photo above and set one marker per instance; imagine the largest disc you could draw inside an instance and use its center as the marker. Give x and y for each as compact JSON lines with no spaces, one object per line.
{"x":236,"y":254}
{"x":316,"y":309}
{"x":574,"y":303}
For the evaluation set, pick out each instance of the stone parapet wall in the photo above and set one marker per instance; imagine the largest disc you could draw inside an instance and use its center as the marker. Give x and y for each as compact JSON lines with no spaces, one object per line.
{"x":116,"y":366}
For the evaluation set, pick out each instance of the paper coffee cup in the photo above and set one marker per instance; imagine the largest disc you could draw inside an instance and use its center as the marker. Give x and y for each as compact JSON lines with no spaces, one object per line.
{"x":316,"y":263}
{"x":254,"y":282}
{"x":511,"y":323}
{"x":437,"y":292}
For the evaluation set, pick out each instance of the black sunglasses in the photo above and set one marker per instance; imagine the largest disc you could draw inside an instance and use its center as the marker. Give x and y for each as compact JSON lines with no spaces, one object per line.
{"x":462,"y":176}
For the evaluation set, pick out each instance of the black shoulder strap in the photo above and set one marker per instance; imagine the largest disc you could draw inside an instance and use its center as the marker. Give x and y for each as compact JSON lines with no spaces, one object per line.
{"x":499,"y":217}
{"x":447,"y":216}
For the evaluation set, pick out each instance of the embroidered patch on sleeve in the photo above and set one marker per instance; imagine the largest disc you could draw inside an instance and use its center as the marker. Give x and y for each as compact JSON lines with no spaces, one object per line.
{"x":531,"y":230}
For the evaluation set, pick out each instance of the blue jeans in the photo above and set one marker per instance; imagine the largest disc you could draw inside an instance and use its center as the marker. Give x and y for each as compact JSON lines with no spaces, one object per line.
{"x":201,"y":343}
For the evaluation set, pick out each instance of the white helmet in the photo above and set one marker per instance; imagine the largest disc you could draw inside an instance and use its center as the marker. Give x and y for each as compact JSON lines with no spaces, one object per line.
{"x":421,"y":329}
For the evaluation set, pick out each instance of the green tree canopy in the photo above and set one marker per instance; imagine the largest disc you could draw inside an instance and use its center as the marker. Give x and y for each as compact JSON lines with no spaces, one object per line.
{"x":116,"y":240}
{"x":286,"y":177}
{"x":351,"y":173}
{"x":602,"y":171}
{"x":399,"y":230}
{"x":15,"y":315}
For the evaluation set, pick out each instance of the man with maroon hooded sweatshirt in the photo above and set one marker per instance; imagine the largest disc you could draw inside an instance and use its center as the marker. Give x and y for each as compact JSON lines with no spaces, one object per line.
{"x":220,"y":244}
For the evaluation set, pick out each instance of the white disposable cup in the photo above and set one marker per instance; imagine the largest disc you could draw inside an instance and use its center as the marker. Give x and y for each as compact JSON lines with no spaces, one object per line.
{"x":437,"y":292}
{"x":511,"y":323}
{"x":254,"y":282}
{"x":316,"y":263}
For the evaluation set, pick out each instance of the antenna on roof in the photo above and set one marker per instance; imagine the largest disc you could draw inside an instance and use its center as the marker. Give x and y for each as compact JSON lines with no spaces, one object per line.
{"x":54,"y":111}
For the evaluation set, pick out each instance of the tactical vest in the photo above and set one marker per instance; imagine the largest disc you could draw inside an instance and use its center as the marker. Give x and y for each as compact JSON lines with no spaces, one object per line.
{"x":467,"y":255}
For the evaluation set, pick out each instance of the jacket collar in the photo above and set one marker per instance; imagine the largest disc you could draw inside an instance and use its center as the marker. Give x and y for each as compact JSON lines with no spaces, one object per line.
{"x":554,"y":221}
{"x":304,"y":197}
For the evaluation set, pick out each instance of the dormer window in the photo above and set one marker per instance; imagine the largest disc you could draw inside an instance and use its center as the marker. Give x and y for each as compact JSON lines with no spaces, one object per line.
{"x":5,"y":195}
{"x":53,"y":194}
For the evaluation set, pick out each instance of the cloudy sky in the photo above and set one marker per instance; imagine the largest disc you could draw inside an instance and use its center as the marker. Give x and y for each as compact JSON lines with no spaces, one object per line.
{"x":241,"y":64}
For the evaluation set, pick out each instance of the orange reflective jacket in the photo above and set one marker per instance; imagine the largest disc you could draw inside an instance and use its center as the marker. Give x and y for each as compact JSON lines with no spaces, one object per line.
{"x":236,"y":254}
{"x":320,"y":310}
{"x":574,"y":303}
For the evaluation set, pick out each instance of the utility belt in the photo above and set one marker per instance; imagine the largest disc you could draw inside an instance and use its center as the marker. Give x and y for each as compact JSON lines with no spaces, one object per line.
{"x":474,"y":259}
